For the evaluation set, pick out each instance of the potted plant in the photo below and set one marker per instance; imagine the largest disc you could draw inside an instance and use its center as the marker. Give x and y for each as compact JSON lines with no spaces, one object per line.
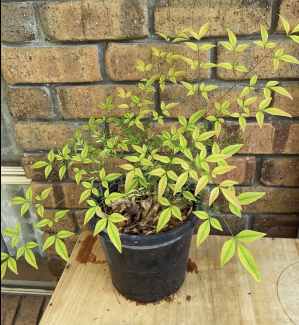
{"x":168,"y":176}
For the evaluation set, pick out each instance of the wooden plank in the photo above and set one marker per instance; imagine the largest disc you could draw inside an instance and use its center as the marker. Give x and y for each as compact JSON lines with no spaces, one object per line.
{"x":9,"y":307}
{"x":85,"y":295}
{"x":30,"y":310}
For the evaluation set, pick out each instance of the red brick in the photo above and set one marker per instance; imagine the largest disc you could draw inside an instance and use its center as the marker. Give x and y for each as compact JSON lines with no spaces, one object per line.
{"x":94,"y":20}
{"x":50,"y":64}
{"x":259,"y":61}
{"x":84,"y":101}
{"x":42,"y":135}
{"x":280,"y":172}
{"x":17,"y":22}
{"x":29,"y":103}
{"x":117,"y":54}
{"x":173,"y":16}
{"x":277,"y":225}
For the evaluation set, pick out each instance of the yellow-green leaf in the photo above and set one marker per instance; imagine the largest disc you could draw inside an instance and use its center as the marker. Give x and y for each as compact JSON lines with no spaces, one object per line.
{"x":250,"y":197}
{"x":248,"y":236}
{"x":248,"y":262}
{"x":203,"y":232}
{"x":113,"y":234}
{"x":228,"y":251}
{"x":61,"y":249}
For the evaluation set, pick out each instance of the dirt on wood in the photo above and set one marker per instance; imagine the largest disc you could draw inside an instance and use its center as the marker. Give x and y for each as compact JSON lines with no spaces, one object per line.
{"x":192,"y":266}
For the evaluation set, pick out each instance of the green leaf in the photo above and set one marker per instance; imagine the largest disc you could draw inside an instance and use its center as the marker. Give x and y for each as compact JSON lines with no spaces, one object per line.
{"x":277,"y":111}
{"x":116,"y":217}
{"x":228,"y":251}
{"x":250,"y":197}
{"x":39,"y":164}
{"x":4,"y":256}
{"x":248,"y":236}
{"x":201,"y":184}
{"x":281,"y":91}
{"x":20,"y":252}
{"x":130,"y":182}
{"x":64,"y":234}
{"x":100,"y":226}
{"x":289,"y":58}
{"x":213,"y":195}
{"x":60,"y":214}
{"x":189,"y":196}
{"x":48,"y":170}
{"x":285,"y":24}
{"x":61,"y":249}
{"x":234,"y":210}
{"x":176,"y":212}
{"x":260,"y":118}
{"x":216,"y":157}
{"x":231,"y":197}
{"x":24,"y":208}
{"x":162,"y":185}
{"x":203,"y":232}
{"x":89,"y":214}
{"x":201,"y":215}
{"x":163,"y":201}
{"x":28,"y":194}
{"x":113,"y":234}
{"x":84,"y":196}
{"x":62,"y":171}
{"x":182,"y":179}
{"x":30,"y":258}
{"x":17,"y":200}
{"x":164,"y":218}
{"x":49,"y":242}
{"x":232,"y":149}
{"x":247,"y":260}
{"x":216,"y":224}
{"x":12,"y":265}
{"x":3,"y":268}
{"x":45,"y":193}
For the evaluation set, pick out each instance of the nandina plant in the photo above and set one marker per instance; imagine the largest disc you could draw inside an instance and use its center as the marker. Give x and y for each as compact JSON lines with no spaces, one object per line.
{"x":168,"y":169}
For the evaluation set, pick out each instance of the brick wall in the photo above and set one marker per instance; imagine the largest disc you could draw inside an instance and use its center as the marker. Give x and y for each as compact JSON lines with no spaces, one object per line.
{"x":62,"y":58}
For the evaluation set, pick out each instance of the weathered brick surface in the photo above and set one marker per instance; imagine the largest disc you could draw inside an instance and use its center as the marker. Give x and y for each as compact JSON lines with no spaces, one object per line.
{"x":187,"y":105}
{"x":259,"y":61}
{"x":84,"y":101}
{"x":94,"y":20}
{"x":280,"y":172}
{"x":29,"y":103}
{"x":17,"y":22}
{"x":42,"y":135}
{"x":244,"y":173}
{"x":287,"y":104}
{"x":29,"y":310}
{"x":289,"y":9}
{"x":243,"y":17}
{"x":50,"y":64}
{"x":277,"y":225}
{"x":63,"y":195}
{"x":272,"y":138}
{"x":117,"y":54}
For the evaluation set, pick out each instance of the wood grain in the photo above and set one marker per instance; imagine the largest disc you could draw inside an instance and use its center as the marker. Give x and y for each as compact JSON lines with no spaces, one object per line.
{"x":85,"y":295}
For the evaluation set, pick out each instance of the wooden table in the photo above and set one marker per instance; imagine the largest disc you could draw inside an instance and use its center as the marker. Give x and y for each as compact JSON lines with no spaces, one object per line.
{"x":210,"y":295}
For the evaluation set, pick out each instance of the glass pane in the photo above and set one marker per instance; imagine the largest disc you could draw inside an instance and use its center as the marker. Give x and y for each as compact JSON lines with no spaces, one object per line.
{"x":10,"y":216}
{"x":9,"y":149}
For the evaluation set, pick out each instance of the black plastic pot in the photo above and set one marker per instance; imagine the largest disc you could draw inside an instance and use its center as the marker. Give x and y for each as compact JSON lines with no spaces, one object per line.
{"x":151,"y":267}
